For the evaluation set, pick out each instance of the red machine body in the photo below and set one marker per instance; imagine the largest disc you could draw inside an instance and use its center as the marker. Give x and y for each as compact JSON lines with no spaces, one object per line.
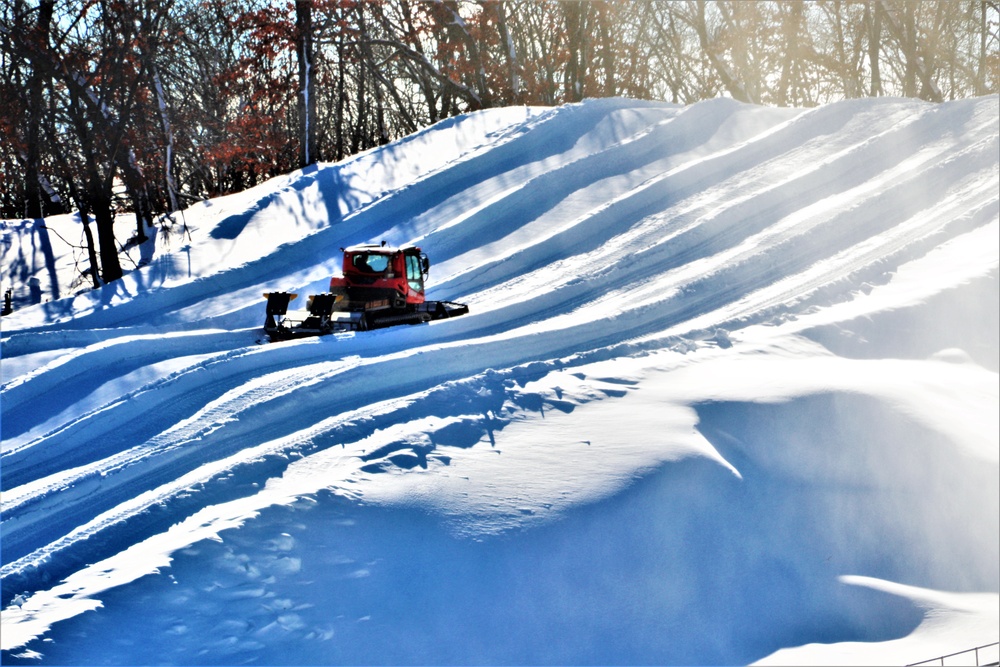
{"x":380,"y":276}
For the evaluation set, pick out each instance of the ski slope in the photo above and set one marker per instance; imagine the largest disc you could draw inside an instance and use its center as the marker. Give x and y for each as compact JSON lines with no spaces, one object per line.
{"x":727,"y":394}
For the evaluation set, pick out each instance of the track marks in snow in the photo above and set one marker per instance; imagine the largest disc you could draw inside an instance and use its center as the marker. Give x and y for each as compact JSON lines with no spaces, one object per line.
{"x":789,"y":216}
{"x":586,"y":233}
{"x":455,"y":414}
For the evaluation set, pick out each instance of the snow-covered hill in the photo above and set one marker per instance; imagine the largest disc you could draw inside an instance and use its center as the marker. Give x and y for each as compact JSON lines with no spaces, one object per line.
{"x":728,"y":393}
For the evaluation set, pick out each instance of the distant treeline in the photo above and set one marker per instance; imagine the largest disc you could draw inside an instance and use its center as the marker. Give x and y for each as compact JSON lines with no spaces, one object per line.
{"x":147,"y":105}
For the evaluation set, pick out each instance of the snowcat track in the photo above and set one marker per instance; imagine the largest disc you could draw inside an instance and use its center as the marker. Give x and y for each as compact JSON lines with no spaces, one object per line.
{"x":321,"y":321}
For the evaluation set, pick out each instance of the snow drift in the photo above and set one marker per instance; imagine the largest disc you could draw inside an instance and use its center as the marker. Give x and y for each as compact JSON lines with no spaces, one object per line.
{"x":727,"y":393}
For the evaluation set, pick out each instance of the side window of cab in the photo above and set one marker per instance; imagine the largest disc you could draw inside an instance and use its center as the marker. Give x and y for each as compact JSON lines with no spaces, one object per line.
{"x":413,"y":274}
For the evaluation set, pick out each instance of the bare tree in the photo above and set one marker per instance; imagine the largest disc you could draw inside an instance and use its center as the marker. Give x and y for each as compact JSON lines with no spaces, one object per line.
{"x":179,"y":100}
{"x":902,"y":26}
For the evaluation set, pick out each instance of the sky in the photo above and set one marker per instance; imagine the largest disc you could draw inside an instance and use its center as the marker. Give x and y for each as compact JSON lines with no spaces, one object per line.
{"x":727,"y":393}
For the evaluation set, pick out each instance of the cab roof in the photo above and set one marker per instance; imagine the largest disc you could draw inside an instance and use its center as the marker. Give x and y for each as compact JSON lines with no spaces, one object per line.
{"x":377,"y":248}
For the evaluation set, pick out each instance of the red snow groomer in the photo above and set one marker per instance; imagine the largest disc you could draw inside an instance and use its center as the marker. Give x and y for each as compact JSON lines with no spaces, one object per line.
{"x":381,"y":286}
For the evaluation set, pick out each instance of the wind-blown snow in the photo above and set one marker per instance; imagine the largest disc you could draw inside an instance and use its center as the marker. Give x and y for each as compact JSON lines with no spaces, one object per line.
{"x":727,"y":393}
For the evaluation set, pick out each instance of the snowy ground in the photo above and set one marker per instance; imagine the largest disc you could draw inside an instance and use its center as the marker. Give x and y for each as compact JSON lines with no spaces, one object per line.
{"x":728,"y":393}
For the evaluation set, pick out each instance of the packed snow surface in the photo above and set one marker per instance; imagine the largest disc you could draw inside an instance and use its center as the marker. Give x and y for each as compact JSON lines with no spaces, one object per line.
{"x":727,"y":394}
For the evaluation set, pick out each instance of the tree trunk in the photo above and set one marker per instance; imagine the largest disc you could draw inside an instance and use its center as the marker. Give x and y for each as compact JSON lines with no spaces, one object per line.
{"x":788,"y":83}
{"x":982,"y":60}
{"x":607,"y":51}
{"x":307,"y":82}
{"x":576,"y":20}
{"x":358,"y":140}
{"x":32,"y":176}
{"x":510,"y":53}
{"x":873,"y":19}
{"x":100,"y":202}
{"x":168,"y":135}
{"x":340,"y":144}
{"x":135,"y":184}
{"x":95,"y":267}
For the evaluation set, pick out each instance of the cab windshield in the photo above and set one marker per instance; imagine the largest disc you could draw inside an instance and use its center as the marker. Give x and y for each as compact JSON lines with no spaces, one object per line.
{"x":370,"y":262}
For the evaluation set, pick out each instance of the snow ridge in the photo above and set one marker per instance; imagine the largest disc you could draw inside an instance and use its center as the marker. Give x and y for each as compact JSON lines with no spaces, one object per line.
{"x":719,"y":315}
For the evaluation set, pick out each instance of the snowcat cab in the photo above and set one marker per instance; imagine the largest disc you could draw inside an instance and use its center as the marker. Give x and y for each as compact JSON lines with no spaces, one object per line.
{"x":380,"y":286}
